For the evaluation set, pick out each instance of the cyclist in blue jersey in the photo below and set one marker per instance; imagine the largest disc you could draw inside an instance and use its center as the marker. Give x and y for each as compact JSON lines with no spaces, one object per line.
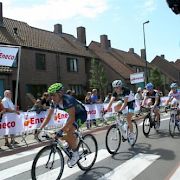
{"x":123,"y":98}
{"x":77,"y":116}
{"x":154,"y":101}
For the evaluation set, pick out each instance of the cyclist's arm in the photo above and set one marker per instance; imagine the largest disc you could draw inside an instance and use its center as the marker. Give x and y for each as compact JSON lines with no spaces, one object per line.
{"x":144,"y":100}
{"x":71,"y":119}
{"x":110,"y":103}
{"x":156,"y":101}
{"x":47,"y":119}
{"x":124,"y":104}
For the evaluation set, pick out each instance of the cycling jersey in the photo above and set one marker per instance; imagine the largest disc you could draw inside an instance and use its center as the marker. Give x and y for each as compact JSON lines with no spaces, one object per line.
{"x":68,"y":102}
{"x":153,"y":95}
{"x":175,"y":94}
{"x":126,"y":93}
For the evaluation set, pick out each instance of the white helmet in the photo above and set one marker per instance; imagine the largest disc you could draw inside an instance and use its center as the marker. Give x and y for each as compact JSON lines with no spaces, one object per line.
{"x":117,"y":83}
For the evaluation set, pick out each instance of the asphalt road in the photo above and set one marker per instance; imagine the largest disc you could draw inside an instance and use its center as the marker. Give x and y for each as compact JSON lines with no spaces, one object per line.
{"x":154,"y":158}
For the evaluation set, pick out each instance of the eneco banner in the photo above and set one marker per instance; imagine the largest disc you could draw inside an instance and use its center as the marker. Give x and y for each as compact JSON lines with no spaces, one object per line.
{"x":7,"y":55}
{"x":12,"y":123}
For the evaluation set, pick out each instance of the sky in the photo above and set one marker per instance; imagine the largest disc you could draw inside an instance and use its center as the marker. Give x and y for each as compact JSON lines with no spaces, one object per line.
{"x":121,"y":20}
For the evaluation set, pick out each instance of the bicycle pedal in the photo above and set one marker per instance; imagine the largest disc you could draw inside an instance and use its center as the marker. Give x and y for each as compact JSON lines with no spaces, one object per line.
{"x":123,"y":139}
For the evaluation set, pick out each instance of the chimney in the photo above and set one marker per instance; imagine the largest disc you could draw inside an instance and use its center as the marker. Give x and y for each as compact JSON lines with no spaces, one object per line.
{"x":131,"y":50}
{"x":104,"y":41}
{"x":81,"y":35}
{"x":58,"y":28}
{"x":1,"y":14}
{"x":143,"y":55}
{"x":109,"y":43}
{"x":162,"y":56}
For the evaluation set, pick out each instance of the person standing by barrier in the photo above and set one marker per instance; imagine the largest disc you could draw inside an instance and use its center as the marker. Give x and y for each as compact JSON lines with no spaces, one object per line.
{"x":2,"y":110}
{"x":9,"y":108}
{"x":87,"y":100}
{"x":94,"y":100}
{"x":138,"y":100}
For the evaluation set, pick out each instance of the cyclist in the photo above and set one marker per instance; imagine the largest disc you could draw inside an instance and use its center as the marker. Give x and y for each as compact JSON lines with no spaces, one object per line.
{"x":174,"y":95}
{"x":124,"y":98}
{"x":153,"y":99}
{"x":76,"y":112}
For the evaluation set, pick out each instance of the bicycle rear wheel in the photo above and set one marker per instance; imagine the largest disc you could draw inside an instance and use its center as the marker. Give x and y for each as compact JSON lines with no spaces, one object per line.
{"x":113,"y":139}
{"x":88,"y":150}
{"x":146,"y":126}
{"x":48,"y":164}
{"x":135,"y":132}
{"x":172,"y":125}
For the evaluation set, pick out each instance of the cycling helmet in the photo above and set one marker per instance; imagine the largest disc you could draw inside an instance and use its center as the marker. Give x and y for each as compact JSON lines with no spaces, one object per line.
{"x":117,"y":83}
{"x":174,"y":86}
{"x":149,"y":86}
{"x":55,"y":88}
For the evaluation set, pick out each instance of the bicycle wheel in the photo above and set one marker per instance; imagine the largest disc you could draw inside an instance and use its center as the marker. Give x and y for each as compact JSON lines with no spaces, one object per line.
{"x":88,"y":150}
{"x":146,"y":126}
{"x":113,"y":139}
{"x":172,"y":125}
{"x":48,"y":164}
{"x":135,"y":132}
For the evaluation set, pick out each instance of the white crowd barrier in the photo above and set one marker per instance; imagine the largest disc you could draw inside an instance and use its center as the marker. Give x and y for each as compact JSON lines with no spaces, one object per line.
{"x":12,"y":123}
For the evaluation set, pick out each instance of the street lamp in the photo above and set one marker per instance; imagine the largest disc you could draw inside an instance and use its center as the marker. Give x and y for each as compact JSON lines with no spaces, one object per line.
{"x":146,"y":80}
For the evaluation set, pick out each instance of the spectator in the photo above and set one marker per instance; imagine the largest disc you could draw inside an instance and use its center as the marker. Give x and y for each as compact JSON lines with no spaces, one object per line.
{"x":45,"y":100}
{"x":138,"y":99}
{"x":2,"y":109}
{"x":9,"y":107}
{"x":107,"y":98}
{"x":87,"y":99}
{"x":94,"y":100}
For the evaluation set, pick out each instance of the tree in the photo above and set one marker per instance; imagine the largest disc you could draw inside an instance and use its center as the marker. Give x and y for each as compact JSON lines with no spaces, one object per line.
{"x":98,"y":78}
{"x":156,"y":78}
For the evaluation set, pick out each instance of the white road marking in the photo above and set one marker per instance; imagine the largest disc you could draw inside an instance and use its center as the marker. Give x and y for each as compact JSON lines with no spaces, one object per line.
{"x":19,"y":155}
{"x":102,"y":154}
{"x":131,"y":168}
{"x":163,"y":119}
{"x":176,"y":175}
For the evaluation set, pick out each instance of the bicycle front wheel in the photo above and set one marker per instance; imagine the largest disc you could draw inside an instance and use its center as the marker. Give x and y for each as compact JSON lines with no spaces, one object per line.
{"x":113,"y":139}
{"x":48,"y":164}
{"x":146,"y":126}
{"x":88,"y":150}
{"x":135,"y":132}
{"x":172,"y":125}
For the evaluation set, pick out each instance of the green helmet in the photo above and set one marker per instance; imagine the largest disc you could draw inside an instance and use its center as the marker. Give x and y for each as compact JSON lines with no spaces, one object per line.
{"x":54,"y":88}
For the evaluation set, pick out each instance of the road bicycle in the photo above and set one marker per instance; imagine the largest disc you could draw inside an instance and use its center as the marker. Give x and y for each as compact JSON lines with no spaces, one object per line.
{"x":50,"y":159}
{"x":174,"y":121}
{"x":150,"y":121}
{"x":119,"y":131}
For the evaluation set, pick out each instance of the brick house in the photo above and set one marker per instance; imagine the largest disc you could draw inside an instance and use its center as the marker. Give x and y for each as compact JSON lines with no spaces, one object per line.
{"x":170,"y":72}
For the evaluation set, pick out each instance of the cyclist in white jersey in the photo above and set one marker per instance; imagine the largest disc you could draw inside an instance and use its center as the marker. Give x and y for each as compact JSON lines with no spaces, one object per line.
{"x":123,"y":98}
{"x":174,"y":95}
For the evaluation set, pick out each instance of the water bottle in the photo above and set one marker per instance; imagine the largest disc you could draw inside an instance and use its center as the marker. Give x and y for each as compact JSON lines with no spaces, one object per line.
{"x":65,"y":144}
{"x":125,"y":129}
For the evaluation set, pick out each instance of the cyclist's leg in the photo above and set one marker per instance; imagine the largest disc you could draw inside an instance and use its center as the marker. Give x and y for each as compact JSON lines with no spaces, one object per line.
{"x":70,"y":137}
{"x":157,"y":112}
{"x":129,"y":120}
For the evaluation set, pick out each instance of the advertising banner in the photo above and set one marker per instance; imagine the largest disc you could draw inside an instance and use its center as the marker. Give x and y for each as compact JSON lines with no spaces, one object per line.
{"x":7,"y":55}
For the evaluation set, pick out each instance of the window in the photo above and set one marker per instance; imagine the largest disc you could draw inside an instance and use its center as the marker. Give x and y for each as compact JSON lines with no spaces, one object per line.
{"x":40,"y":61}
{"x":77,"y":88}
{"x":72,"y":65}
{"x":36,"y":90}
